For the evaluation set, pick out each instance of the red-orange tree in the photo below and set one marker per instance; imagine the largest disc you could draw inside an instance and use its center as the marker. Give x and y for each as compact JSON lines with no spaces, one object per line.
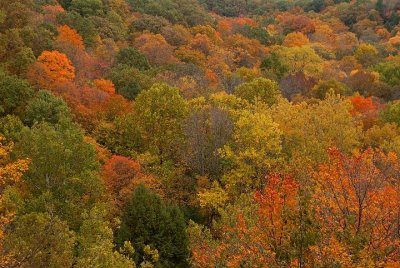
{"x":357,"y":201}
{"x":365,"y":109}
{"x":118,"y":175}
{"x":51,"y":68}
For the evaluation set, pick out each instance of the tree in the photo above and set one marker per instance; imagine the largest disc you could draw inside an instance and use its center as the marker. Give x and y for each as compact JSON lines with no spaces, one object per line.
{"x":366,"y":54}
{"x":21,"y":61}
{"x":148,"y":221}
{"x":11,"y":127}
{"x":18,"y":13}
{"x":51,"y":68}
{"x":153,"y":24}
{"x":129,"y":81}
{"x":161,"y":110}
{"x":365,"y":109}
{"x":186,"y":12}
{"x":385,"y":136}
{"x":51,"y":12}
{"x":63,"y":176}
{"x":155,"y":48}
{"x":87,"y":7}
{"x":11,"y":173}
{"x":227,"y":8}
{"x":258,"y":33}
{"x":83,"y":25}
{"x":391,"y":113}
{"x":295,"y":23}
{"x":118,"y":175}
{"x":274,"y":64}
{"x":364,"y":82}
{"x":40,"y":240}
{"x":260,"y":89}
{"x":253,"y":234}
{"x":186,"y":54}
{"x":110,"y":27}
{"x":207,"y":129}
{"x":105,"y":85}
{"x":254,"y":151}
{"x":357,"y":200}
{"x":69,"y":36}
{"x":96,"y":248}
{"x":296,"y":85}
{"x":295,"y":39}
{"x":121,"y":136}
{"x":176,"y":35}
{"x":14,"y":94}
{"x":389,"y":72}
{"x":246,"y":51}
{"x":325,"y":87}
{"x":133,"y":58}
{"x":310,"y":129}
{"x":45,"y":107}
{"x":301,"y":59}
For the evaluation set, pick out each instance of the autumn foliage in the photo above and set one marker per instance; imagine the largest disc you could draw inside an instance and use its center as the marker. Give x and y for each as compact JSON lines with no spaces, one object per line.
{"x":199,"y":133}
{"x":52,"y":68}
{"x":365,"y":109}
{"x":118,"y":175}
{"x":69,"y":36}
{"x":11,"y":173}
{"x":105,"y":85}
{"x":357,"y":204}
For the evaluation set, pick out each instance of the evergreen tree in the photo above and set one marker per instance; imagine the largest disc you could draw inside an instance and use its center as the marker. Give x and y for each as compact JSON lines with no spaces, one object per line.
{"x":148,"y":221}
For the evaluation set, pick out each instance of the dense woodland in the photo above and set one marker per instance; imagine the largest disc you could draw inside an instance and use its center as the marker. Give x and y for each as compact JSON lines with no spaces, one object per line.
{"x":199,"y":133}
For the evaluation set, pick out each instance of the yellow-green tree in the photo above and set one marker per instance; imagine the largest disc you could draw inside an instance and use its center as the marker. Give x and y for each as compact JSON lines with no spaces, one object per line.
{"x":366,"y":54}
{"x":301,"y":59}
{"x":254,"y":150}
{"x":309,"y":129}
{"x":260,"y":89}
{"x":161,"y":110}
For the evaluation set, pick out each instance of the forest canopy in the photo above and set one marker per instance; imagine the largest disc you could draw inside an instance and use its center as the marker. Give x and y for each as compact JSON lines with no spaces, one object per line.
{"x":199,"y":133}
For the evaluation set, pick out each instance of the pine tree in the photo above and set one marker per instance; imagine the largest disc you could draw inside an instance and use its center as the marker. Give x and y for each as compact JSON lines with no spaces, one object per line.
{"x":148,"y":221}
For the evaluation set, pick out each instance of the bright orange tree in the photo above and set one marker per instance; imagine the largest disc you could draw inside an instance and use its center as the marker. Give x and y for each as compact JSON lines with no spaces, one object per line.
{"x":52,"y":68}
{"x":365,"y":109}
{"x":357,"y":202}
{"x":69,"y":36}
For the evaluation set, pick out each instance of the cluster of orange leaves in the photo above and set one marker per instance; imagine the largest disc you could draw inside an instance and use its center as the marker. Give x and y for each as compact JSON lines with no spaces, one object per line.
{"x":121,"y":175}
{"x":365,"y":109}
{"x":11,"y":173}
{"x":51,"y":68}
{"x":359,"y":196}
{"x":69,"y":36}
